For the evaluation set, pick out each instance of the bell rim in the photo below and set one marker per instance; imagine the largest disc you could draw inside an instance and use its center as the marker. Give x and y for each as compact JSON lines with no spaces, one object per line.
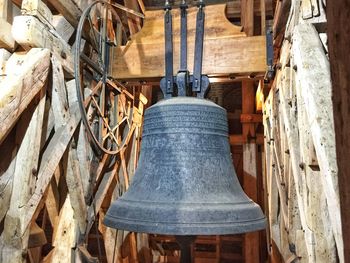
{"x":180,"y":229}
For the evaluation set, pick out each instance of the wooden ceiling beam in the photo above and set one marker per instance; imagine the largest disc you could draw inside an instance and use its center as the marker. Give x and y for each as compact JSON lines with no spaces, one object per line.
{"x":227,"y":51}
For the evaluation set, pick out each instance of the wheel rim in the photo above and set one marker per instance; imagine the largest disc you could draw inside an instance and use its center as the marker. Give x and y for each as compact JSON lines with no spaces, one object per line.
{"x":105,"y":104}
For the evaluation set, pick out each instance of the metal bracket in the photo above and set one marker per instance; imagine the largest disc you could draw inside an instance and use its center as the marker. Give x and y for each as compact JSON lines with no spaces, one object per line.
{"x":186,"y":84}
{"x":269,"y":56}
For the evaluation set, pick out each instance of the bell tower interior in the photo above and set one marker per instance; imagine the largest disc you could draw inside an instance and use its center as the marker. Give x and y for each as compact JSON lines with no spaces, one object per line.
{"x":197,"y":131}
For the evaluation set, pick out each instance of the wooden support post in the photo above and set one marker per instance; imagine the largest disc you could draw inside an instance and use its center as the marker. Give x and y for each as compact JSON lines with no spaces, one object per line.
{"x":313,"y":74}
{"x":28,"y":136}
{"x":65,"y":235}
{"x":251,"y":244}
{"x":338,"y":45}
{"x":247,"y":16}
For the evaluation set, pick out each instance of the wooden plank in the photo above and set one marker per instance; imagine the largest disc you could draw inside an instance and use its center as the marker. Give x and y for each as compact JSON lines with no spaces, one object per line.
{"x":30,"y":32}
{"x":338,"y":40}
{"x":18,"y":89}
{"x":143,"y":56}
{"x":314,"y":74}
{"x":16,"y":231}
{"x":246,"y":56}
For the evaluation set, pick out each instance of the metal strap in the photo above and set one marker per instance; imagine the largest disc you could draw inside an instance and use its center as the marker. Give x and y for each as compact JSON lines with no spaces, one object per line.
{"x":168,"y":27}
{"x":198,"y":51}
{"x":183,"y":48}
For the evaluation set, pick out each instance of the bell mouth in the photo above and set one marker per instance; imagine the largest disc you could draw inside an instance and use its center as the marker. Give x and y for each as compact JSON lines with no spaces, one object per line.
{"x":185,"y":218}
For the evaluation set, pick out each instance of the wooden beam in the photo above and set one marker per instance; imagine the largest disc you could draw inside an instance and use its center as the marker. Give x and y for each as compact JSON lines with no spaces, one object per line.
{"x":65,"y":235}
{"x":338,"y":45}
{"x":6,"y":39}
{"x":49,"y":161}
{"x":226,"y":49}
{"x":30,"y":32}
{"x":28,"y":136}
{"x":38,"y":9}
{"x":250,"y":173}
{"x":69,"y":9}
{"x":247,"y":16}
{"x":21,"y":85}
{"x":313,"y":73}
{"x":239,"y":139}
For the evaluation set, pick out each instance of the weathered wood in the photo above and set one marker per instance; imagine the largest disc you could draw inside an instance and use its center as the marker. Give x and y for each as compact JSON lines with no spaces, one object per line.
{"x":30,"y":32}
{"x":69,"y":9}
{"x":338,"y":43}
{"x":239,"y":139}
{"x":6,"y":40}
{"x":247,"y":16}
{"x":38,"y":9}
{"x":280,"y":19}
{"x":134,"y":22}
{"x":62,"y":27}
{"x":50,"y":159}
{"x":19,"y":88}
{"x":16,"y":231}
{"x":314,"y":74}
{"x":251,"y":240}
{"x":65,"y":236}
{"x":143,"y":56}
{"x":4,"y":56}
{"x":7,"y":167}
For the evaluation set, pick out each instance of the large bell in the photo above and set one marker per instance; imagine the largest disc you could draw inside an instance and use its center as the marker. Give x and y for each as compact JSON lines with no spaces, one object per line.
{"x":185,"y":183}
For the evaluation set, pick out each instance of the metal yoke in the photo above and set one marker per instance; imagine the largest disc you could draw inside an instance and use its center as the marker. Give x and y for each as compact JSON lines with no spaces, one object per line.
{"x":187,"y":85}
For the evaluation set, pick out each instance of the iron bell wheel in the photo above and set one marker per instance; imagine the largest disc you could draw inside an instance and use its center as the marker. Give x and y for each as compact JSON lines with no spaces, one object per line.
{"x":185,"y":183}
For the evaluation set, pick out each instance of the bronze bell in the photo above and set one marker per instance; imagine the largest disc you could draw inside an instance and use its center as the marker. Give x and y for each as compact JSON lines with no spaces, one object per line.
{"x":185,"y":183}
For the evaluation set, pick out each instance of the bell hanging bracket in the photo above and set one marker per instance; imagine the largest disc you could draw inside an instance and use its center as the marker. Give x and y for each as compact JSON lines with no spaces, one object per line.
{"x":186,"y":84}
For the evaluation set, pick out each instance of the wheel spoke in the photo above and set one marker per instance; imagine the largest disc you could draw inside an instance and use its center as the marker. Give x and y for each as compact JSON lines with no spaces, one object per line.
{"x":93,"y":92}
{"x":103,"y":119}
{"x":93,"y":32}
{"x":92,"y":64}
